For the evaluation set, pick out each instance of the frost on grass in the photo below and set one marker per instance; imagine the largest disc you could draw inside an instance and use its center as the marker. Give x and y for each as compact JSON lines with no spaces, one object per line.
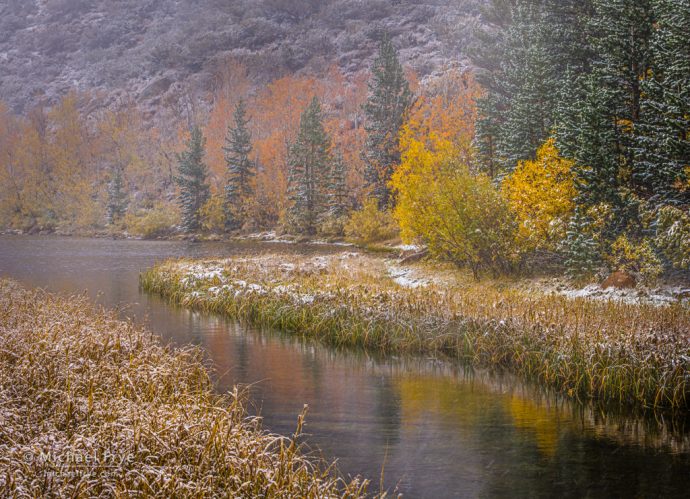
{"x":93,"y":406}
{"x":627,"y":353}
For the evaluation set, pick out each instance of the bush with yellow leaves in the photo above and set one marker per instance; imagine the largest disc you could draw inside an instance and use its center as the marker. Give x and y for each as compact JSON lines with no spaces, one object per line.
{"x":459,"y":215}
{"x":370,"y":225}
{"x":541,"y":195}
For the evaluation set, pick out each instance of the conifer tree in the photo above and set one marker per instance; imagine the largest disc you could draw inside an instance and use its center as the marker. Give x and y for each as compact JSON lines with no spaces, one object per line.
{"x":597,"y":128}
{"x":240,"y":169}
{"x":191,"y":178}
{"x":337,"y":187}
{"x":117,"y":198}
{"x":388,"y":101}
{"x":524,"y":56}
{"x":664,"y":131}
{"x":308,"y":168}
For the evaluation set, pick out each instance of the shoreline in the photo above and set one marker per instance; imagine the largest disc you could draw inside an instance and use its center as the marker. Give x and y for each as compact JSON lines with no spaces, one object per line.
{"x":583,"y":348}
{"x":93,"y":405}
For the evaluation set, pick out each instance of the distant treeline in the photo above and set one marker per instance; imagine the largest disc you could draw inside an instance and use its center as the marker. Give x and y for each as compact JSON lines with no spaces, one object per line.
{"x":569,"y":139}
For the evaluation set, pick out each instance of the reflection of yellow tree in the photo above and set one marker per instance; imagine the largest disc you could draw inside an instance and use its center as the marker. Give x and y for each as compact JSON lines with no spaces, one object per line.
{"x":541,"y":420}
{"x":465,"y":401}
{"x":468,"y":402}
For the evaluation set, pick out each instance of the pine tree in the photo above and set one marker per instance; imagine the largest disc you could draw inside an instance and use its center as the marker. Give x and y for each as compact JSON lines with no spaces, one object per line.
{"x":388,"y":101}
{"x":597,"y":127}
{"x":337,"y":187}
{"x":308,"y":164}
{"x":526,"y":52}
{"x":240,"y":169}
{"x":581,"y":251}
{"x":191,"y":178}
{"x":117,"y":198}
{"x":663,"y":137}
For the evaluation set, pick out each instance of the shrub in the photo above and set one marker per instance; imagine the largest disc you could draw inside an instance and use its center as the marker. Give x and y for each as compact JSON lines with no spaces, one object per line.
{"x":212,"y":215}
{"x":370,"y":225}
{"x":673,"y":236}
{"x":460,"y":216}
{"x":638,"y":258}
{"x":541,"y":195}
{"x":156,"y":222}
{"x":332,"y":226}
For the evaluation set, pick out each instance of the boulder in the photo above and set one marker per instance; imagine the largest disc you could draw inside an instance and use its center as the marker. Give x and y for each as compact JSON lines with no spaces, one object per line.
{"x":620,"y":280}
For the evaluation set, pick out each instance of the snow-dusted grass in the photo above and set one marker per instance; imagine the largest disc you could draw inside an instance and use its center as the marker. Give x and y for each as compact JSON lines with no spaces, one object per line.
{"x":91,"y":406}
{"x":612,"y":351}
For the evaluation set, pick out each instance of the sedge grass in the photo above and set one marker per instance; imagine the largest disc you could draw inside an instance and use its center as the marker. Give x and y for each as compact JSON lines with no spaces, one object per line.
{"x":91,"y":406}
{"x":633,"y":355}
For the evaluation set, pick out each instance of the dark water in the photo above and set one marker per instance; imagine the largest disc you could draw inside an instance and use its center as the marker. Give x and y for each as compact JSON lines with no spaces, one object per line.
{"x":436,"y":429}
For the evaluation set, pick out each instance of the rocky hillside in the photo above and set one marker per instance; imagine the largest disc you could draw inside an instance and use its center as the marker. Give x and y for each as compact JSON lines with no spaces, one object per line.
{"x":155,"y":51}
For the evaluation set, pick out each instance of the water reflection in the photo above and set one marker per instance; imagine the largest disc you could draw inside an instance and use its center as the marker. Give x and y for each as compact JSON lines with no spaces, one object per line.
{"x":437,"y":430}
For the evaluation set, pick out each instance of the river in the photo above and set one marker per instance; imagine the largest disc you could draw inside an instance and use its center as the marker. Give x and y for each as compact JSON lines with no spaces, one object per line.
{"x":430,"y":428}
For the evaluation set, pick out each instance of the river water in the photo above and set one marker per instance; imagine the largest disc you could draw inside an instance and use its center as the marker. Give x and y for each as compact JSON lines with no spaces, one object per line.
{"x":430,"y":428}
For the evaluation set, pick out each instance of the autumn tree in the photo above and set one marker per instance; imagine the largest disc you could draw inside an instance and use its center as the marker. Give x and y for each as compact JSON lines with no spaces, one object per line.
{"x":445,"y":110}
{"x":388,"y":101}
{"x":277,"y":109}
{"x":192,"y":181}
{"x":459,"y":215}
{"x":541,"y":194}
{"x":240,"y":169}
{"x":309,"y":161}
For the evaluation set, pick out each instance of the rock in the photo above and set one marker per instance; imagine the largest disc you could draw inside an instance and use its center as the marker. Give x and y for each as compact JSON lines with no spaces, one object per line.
{"x":620,"y":280}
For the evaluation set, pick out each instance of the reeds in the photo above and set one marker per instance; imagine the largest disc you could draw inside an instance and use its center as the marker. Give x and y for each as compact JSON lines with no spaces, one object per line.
{"x":636,"y":355}
{"x":93,"y":406}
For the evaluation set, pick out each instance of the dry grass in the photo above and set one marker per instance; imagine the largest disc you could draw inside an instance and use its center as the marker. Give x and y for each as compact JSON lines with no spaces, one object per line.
{"x":637,"y":355}
{"x":93,"y":406}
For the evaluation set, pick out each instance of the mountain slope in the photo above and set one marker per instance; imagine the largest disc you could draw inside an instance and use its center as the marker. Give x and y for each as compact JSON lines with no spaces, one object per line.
{"x":154,"y":51}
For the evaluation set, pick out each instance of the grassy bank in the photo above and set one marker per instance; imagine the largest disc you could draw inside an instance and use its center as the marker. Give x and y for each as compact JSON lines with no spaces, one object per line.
{"x":637,"y":355}
{"x":93,"y":406}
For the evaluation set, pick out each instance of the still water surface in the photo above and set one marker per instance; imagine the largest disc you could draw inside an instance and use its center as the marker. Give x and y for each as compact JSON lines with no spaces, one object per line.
{"x":434,"y":428}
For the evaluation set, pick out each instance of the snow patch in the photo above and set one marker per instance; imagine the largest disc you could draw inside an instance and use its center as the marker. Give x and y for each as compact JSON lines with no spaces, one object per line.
{"x":405,"y":278}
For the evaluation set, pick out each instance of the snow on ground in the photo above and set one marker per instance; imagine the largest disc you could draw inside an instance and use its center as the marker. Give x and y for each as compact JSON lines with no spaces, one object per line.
{"x":408,"y":247}
{"x":660,"y":296}
{"x":405,"y":277}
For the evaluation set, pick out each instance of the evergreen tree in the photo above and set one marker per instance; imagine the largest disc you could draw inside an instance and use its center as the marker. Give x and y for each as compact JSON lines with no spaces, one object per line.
{"x":664,"y":132}
{"x":240,"y":169}
{"x":337,"y":187}
{"x":191,"y":178}
{"x":117,"y":198}
{"x":308,"y":168}
{"x":597,"y":128}
{"x":526,"y":53}
{"x":388,"y":101}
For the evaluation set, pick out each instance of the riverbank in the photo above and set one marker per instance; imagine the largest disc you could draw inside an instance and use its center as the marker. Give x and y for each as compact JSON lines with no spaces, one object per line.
{"x":94,"y":406}
{"x":635,"y":355}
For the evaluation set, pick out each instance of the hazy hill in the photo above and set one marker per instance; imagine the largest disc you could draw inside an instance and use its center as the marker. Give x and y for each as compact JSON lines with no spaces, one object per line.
{"x":154,"y":51}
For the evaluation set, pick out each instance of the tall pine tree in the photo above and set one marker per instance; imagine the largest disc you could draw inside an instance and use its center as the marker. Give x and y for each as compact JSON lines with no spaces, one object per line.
{"x":388,"y":101}
{"x":525,"y":53}
{"x":597,"y":128}
{"x":663,"y":136}
{"x":308,"y":168}
{"x":337,"y":187}
{"x":191,"y":179}
{"x":240,"y":169}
